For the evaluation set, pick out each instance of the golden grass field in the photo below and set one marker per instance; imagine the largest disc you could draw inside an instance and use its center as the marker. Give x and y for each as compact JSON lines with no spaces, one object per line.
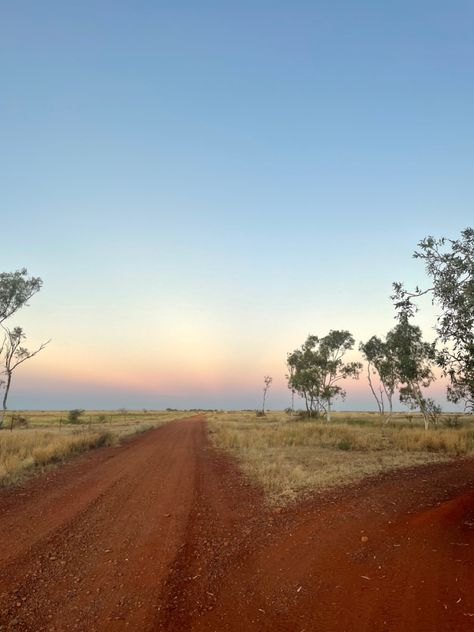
{"x":287,"y":456}
{"x":290,"y":457}
{"x":48,"y":439}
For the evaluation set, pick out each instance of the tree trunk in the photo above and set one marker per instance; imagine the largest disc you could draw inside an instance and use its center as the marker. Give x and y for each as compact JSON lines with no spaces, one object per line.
{"x":421,"y":404}
{"x":328,"y":411}
{"x":5,"y":398}
{"x":379,"y":402}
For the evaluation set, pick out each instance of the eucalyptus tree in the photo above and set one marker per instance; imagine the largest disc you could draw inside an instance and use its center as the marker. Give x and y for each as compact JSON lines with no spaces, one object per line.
{"x":318,"y":368}
{"x":449,"y":264}
{"x":304,"y":375}
{"x":414,"y":359}
{"x":381,"y":363}
{"x":16,"y":288}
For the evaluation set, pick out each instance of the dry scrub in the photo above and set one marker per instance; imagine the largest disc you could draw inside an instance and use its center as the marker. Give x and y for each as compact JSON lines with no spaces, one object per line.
{"x":289,"y":457}
{"x":45,"y":442}
{"x":21,"y":451}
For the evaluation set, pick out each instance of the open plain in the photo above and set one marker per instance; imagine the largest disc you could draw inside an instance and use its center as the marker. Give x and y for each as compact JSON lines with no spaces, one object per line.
{"x":164,"y":532}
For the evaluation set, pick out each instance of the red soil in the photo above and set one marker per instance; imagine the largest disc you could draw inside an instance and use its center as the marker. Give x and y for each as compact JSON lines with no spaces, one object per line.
{"x":162,"y":533}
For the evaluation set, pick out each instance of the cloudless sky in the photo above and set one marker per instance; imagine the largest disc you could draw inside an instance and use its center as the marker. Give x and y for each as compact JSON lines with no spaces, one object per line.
{"x":202,"y":184}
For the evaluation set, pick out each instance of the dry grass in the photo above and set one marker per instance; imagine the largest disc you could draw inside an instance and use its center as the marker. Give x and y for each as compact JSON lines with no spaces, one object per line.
{"x":290,"y":457}
{"x":45,"y":441}
{"x":102,"y":418}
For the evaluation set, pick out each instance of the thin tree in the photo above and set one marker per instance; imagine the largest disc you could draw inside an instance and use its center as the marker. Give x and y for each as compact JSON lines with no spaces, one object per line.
{"x":267,"y":381}
{"x":381,"y":364}
{"x":14,"y":354}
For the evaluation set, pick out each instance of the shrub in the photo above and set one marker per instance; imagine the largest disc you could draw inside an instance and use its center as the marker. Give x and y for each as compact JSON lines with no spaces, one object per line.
{"x":345,"y":444}
{"x":74,"y":415}
{"x":451,"y":421}
{"x":18,"y":421}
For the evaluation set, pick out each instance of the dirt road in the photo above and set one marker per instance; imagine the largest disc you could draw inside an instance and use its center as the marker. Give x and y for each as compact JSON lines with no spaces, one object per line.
{"x":162,"y":533}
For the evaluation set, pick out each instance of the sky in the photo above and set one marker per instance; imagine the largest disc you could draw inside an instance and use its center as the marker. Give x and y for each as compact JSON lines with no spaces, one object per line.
{"x":200,"y":185}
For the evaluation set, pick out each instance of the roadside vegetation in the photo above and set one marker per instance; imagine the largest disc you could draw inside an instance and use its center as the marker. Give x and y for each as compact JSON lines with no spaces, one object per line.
{"x":38,"y":439}
{"x":290,"y":456}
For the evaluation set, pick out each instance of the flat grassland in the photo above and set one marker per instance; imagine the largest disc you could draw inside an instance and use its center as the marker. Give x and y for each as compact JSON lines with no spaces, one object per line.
{"x":289,"y":457}
{"x":46,"y":438}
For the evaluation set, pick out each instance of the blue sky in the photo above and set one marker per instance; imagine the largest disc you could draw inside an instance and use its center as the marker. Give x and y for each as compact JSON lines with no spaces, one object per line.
{"x":201,"y":185}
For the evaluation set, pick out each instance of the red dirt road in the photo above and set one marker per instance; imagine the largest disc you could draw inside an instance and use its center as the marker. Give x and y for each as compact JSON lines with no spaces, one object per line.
{"x":162,"y":533}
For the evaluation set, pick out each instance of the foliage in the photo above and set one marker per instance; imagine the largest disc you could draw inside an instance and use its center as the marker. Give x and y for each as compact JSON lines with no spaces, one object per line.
{"x":403,"y":361}
{"x":18,"y":421}
{"x":381,"y":361}
{"x":317,"y":368}
{"x":450,"y":265}
{"x":74,"y":415}
{"x":16,"y":288}
{"x":13,"y":353}
{"x":451,"y":421}
{"x":433,"y":411}
{"x":414,"y":359}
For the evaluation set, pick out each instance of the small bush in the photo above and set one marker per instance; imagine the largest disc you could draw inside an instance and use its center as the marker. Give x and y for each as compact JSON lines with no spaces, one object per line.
{"x":18,"y":421}
{"x":451,"y":421}
{"x":74,"y":415}
{"x":344,"y":445}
